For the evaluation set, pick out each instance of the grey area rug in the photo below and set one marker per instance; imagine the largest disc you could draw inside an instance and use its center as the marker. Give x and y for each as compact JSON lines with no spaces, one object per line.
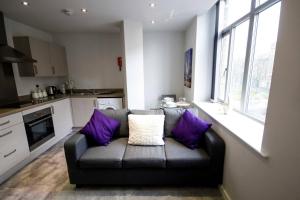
{"x":46,"y":178}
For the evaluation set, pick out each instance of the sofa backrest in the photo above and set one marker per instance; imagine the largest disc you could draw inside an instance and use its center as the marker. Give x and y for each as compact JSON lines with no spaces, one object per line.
{"x":122,"y":116}
{"x":172,"y":115}
{"x":147,"y":112}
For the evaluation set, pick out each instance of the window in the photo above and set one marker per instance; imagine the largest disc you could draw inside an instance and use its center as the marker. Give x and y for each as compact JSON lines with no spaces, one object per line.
{"x":246,"y":52}
{"x":223,"y":66}
{"x":238,"y":63}
{"x":262,"y":67}
{"x":235,"y":9}
{"x":259,"y":2}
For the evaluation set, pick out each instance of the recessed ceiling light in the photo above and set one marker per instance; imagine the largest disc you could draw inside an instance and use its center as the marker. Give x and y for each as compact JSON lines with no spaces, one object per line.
{"x":152,"y":5}
{"x":152,"y":22}
{"x":25,"y":3}
{"x":84,"y":10}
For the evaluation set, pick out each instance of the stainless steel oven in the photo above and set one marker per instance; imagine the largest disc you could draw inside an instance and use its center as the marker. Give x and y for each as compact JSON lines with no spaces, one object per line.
{"x":39,"y":127}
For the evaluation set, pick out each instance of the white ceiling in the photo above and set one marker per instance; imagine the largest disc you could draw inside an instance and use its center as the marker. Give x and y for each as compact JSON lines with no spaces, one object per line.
{"x":104,"y":15}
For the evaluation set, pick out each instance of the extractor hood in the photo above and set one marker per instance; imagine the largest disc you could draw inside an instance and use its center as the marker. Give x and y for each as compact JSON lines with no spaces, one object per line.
{"x":7,"y":53}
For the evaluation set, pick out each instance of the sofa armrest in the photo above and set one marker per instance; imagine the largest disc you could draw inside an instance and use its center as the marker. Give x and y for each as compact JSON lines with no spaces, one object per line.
{"x":215,"y":147}
{"x":74,"y":147}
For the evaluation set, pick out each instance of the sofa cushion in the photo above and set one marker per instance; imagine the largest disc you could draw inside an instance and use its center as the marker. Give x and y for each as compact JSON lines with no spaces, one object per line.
{"x":172,"y":115}
{"x":146,"y":129}
{"x":144,"y":157}
{"x":190,"y":129}
{"x":120,"y":115}
{"x":104,"y":156}
{"x":179,"y":156}
{"x":147,"y":112}
{"x":101,"y":128}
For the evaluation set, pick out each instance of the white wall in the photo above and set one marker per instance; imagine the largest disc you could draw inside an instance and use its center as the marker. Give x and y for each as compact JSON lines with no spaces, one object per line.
{"x":163,"y":65}
{"x":204,"y":55}
{"x":25,"y":84}
{"x":132,"y":34}
{"x":190,"y":42}
{"x":248,"y":176}
{"x":200,"y":37}
{"x":92,"y":59}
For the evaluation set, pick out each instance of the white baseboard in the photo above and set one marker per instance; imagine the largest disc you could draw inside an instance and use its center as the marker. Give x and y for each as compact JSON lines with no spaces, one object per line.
{"x":224,"y":193}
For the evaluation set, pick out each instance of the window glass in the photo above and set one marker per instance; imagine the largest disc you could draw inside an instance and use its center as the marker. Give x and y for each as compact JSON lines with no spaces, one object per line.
{"x":259,"y":2}
{"x":223,"y":66}
{"x":234,"y":9}
{"x":264,"y":53}
{"x":238,"y":64}
{"x":247,"y":91}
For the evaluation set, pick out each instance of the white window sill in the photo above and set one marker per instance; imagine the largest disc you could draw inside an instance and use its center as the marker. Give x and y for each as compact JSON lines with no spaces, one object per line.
{"x":246,"y":129}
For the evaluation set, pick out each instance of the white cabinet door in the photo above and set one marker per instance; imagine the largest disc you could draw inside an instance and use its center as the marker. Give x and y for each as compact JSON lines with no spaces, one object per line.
{"x":10,"y":120}
{"x":82,"y":110}
{"x":13,"y":147}
{"x":62,"y":118}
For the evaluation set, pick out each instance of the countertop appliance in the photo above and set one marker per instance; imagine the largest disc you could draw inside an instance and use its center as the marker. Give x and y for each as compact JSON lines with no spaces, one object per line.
{"x":51,"y":90}
{"x":39,"y":127}
{"x":110,"y":103}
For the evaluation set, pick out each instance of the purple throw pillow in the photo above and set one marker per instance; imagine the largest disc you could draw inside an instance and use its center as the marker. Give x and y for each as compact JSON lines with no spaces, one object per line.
{"x":190,"y":129}
{"x":101,"y":128}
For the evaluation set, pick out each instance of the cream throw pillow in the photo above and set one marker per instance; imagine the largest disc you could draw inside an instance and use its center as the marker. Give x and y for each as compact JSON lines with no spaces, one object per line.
{"x":146,"y":129}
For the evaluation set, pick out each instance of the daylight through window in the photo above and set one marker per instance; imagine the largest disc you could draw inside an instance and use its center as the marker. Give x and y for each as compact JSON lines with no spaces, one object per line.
{"x":246,"y":54}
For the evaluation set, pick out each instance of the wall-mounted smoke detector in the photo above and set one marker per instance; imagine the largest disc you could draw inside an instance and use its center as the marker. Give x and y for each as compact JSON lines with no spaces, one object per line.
{"x":67,"y":11}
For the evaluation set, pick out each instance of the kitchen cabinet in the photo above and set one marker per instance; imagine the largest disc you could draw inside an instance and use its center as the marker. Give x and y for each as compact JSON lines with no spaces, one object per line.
{"x":58,"y":60}
{"x":10,"y":120}
{"x":14,"y":147}
{"x":51,"y":58}
{"x":62,"y":118}
{"x":82,"y":110}
{"x":38,"y":50}
{"x":13,"y":143}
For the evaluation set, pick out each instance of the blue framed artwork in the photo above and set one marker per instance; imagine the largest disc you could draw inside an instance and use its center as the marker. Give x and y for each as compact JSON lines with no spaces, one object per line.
{"x":188,"y":63}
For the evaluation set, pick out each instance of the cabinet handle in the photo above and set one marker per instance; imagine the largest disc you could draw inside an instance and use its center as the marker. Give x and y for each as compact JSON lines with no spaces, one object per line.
{"x":52,"y":110}
{"x":4,"y":123}
{"x":35,"y":70}
{"x":5,"y":134}
{"x":53,"y":70}
{"x":37,"y":122}
{"x":6,"y":155}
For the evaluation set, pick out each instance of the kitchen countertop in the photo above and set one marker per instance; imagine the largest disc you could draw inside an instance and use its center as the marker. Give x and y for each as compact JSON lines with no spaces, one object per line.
{"x":8,"y":111}
{"x":112,"y":95}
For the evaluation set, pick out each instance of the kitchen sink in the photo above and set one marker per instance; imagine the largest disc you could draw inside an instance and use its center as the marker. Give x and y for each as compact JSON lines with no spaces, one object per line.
{"x":94,"y":93}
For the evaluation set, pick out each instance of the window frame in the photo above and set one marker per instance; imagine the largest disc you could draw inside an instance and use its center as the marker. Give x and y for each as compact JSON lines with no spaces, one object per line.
{"x":227,"y":69}
{"x":253,"y":17}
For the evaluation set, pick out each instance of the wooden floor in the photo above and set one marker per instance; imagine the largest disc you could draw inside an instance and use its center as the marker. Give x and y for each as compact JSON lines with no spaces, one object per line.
{"x":47,"y":178}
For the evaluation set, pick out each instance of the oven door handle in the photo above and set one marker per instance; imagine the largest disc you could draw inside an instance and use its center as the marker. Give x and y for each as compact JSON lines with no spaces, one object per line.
{"x":34,"y":123}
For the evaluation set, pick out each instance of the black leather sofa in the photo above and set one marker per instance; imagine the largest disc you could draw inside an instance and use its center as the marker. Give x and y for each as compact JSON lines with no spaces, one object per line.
{"x":122,"y":164}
